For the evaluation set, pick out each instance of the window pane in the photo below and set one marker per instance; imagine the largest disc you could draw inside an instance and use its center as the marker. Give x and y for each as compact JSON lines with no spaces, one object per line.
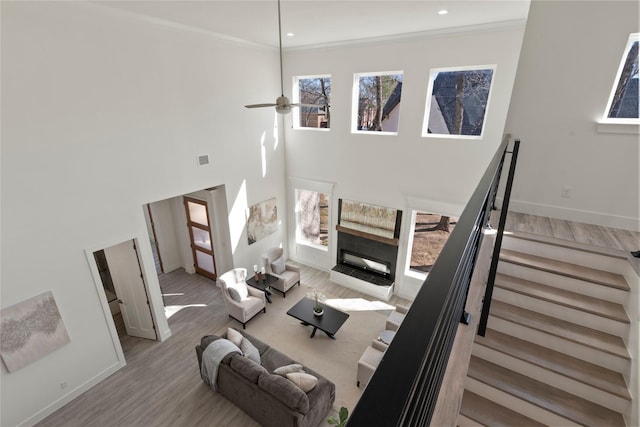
{"x":197,"y":213}
{"x":624,"y":104}
{"x":458,"y":102}
{"x":379,"y":102}
{"x":313,"y":217}
{"x":201,"y":238}
{"x":431,"y":232}
{"x":314,"y":95}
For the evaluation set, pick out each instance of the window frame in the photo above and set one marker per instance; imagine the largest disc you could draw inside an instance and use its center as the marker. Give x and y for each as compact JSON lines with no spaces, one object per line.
{"x":319,"y":187}
{"x":355,"y":102}
{"x":606,"y":120}
{"x":427,"y":109}
{"x":296,"y":99}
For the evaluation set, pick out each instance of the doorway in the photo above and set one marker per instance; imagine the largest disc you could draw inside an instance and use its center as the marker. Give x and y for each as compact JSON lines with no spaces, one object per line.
{"x":123,"y":281}
{"x":200,"y":237}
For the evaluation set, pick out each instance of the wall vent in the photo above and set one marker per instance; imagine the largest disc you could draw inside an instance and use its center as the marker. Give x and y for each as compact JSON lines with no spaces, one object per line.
{"x":203,"y":160}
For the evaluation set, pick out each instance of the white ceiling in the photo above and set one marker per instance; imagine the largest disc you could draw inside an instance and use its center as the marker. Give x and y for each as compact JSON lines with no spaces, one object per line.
{"x":324,"y":22}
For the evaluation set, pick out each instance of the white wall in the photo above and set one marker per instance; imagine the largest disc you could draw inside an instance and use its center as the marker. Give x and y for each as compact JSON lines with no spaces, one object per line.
{"x":570,"y":56}
{"x":387,"y":170}
{"x":103,"y":112}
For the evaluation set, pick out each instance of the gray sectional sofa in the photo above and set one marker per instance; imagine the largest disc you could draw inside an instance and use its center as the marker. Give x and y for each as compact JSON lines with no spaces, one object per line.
{"x":270,"y":399}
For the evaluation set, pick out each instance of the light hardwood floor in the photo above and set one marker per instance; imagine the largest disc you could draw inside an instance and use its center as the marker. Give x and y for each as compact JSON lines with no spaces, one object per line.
{"x":161,"y":386}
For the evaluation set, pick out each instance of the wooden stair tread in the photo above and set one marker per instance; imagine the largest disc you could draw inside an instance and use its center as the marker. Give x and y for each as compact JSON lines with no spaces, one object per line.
{"x":563,"y":364}
{"x":588,"y":274}
{"x":563,"y":297}
{"x":489,"y":413}
{"x":550,"y":398}
{"x":551,"y":325}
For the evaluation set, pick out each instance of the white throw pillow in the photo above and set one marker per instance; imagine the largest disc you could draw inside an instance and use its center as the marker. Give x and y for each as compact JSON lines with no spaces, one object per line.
{"x":288,"y":369}
{"x":234,"y":336}
{"x":250,"y":350}
{"x":303,"y":380}
{"x":278,"y":266}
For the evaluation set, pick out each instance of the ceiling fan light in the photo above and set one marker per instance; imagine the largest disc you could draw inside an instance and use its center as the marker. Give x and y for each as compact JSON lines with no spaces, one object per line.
{"x":283,"y":109}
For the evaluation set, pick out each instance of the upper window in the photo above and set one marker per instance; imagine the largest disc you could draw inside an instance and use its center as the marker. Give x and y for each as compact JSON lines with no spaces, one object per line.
{"x":457,"y":102}
{"x":312,"y":218}
{"x":623,"y":101}
{"x":313,"y":93}
{"x":376,"y":102}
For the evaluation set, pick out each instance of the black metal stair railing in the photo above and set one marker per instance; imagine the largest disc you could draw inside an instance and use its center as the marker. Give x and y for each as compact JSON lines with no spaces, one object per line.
{"x":404,"y":389}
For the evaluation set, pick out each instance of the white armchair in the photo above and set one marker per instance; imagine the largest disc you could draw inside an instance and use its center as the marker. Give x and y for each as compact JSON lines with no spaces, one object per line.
{"x":369,"y":361}
{"x":287,"y":274}
{"x":396,"y":317}
{"x":243,"y":302}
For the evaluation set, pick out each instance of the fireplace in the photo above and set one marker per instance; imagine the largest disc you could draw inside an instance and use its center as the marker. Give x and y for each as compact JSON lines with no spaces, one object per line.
{"x":367,"y":254}
{"x":378,"y":267}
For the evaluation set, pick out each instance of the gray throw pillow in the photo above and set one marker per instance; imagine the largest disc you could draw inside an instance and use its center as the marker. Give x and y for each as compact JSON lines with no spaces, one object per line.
{"x":250,"y":350}
{"x":234,"y":294}
{"x":278,"y":266}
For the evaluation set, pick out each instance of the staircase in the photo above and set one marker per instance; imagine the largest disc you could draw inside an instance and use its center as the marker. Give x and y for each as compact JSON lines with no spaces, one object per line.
{"x":554,"y":353}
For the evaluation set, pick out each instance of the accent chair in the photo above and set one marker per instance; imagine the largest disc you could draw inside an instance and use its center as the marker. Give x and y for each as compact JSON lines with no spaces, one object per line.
{"x":369,"y":361}
{"x":243,"y":302}
{"x":396,"y":317}
{"x":287,"y":274}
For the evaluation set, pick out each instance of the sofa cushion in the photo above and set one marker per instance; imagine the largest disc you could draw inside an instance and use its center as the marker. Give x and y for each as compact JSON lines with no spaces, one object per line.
{"x":208,"y":339}
{"x":273,"y":359}
{"x":287,"y":369}
{"x":247,"y":368}
{"x":278,"y":266}
{"x":250,"y":350}
{"x":305,"y":381}
{"x":234,"y":336}
{"x":285,"y":391}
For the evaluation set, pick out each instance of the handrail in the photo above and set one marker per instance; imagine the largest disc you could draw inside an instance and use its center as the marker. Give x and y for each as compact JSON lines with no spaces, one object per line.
{"x":405,"y":386}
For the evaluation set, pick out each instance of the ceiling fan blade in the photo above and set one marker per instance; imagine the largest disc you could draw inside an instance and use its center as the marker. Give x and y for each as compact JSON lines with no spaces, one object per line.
{"x":259,"y":105}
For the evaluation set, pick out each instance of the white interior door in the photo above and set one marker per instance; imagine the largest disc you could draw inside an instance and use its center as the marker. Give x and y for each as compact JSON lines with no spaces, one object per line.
{"x":130,"y":288}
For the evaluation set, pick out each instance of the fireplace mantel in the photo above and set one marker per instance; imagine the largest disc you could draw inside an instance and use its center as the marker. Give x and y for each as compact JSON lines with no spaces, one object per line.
{"x":370,"y":236}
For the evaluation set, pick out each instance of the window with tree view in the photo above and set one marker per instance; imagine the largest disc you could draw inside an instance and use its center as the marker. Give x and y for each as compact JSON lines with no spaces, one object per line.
{"x":457,"y":102}
{"x":623,"y":101}
{"x":430,"y":233}
{"x":314,"y":95}
{"x":312,"y":209}
{"x":377,"y":102}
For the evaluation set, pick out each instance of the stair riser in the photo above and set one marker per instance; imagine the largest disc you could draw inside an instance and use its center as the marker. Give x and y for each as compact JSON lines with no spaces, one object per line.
{"x":578,"y":317}
{"x":604,"y":262}
{"x":563,"y":282}
{"x":467,"y":422}
{"x":515,"y":404}
{"x":579,"y":351}
{"x":546,"y":376}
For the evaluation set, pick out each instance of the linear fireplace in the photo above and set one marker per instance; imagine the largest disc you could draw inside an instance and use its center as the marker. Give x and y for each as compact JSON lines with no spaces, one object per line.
{"x":379,"y":267}
{"x":367,"y":254}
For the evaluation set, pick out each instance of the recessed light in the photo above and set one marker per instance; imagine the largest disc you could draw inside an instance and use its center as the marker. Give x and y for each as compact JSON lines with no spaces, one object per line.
{"x":443,"y":12}
{"x":290,"y":34}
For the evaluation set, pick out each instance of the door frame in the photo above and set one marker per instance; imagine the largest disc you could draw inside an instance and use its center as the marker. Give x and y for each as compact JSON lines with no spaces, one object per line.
{"x":151,"y":284}
{"x":185,"y":201}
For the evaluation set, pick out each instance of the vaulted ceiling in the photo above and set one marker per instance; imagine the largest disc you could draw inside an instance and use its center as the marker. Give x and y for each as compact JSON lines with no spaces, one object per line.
{"x":324,"y":22}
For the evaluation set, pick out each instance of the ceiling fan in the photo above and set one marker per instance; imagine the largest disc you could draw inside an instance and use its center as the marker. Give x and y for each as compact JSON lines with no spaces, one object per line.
{"x":282,"y":104}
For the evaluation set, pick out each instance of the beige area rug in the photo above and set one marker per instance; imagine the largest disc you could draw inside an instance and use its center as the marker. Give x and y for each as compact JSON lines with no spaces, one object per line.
{"x":336,"y":359}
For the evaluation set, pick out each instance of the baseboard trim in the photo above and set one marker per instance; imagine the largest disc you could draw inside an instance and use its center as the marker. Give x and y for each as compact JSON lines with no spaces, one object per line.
{"x":588,"y":217}
{"x":54,"y":406}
